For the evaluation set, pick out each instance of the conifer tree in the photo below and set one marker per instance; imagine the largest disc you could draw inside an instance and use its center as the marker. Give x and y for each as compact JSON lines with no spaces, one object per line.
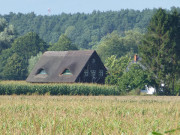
{"x":159,"y":49}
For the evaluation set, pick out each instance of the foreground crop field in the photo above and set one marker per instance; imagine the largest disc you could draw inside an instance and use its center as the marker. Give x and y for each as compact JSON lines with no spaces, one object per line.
{"x":89,"y":115}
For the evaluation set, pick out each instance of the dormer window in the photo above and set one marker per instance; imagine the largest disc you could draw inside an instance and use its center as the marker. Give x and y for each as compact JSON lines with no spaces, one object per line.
{"x":67,"y":72}
{"x":42,"y":72}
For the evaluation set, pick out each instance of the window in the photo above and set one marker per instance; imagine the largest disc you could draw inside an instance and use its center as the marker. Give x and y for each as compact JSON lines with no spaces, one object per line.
{"x":93,"y":61}
{"x":101,"y":73}
{"x":42,"y":72}
{"x":86,"y":73}
{"x":93,"y":73}
{"x":67,"y":72}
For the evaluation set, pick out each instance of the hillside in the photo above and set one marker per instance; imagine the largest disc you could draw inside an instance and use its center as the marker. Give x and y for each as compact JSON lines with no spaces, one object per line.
{"x":84,"y":30}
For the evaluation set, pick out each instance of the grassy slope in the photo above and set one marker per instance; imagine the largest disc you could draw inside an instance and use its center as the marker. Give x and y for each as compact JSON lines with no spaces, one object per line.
{"x":88,"y":114}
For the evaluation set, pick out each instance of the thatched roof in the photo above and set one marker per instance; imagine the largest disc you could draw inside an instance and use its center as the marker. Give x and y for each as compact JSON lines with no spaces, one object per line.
{"x":54,"y":63}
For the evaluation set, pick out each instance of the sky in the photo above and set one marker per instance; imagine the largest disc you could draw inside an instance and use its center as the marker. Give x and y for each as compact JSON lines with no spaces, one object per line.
{"x":40,"y":7}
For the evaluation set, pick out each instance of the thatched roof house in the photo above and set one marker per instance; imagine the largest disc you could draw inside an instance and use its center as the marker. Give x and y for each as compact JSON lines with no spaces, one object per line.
{"x":68,"y":66}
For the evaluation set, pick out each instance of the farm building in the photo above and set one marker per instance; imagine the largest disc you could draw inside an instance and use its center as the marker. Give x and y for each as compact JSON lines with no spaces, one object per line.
{"x":68,"y":67}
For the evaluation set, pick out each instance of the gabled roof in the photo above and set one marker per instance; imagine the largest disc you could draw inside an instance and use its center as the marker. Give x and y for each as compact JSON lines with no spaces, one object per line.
{"x":54,"y":63}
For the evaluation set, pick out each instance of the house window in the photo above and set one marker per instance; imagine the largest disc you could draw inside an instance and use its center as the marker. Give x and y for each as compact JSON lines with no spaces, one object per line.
{"x":93,"y":61}
{"x":101,"y":73}
{"x":93,"y":73}
{"x":67,"y":72}
{"x":86,"y":73}
{"x":42,"y":72}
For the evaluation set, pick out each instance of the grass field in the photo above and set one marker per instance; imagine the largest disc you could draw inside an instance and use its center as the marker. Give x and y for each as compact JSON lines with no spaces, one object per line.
{"x":139,"y":115}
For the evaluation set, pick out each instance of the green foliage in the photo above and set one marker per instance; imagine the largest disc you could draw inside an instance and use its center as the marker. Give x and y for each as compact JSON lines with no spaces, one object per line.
{"x":132,"y":39}
{"x":85,"y":30}
{"x":7,"y":34}
{"x":15,"y":59}
{"x":160,"y":49}
{"x":177,"y":87}
{"x":167,"y":132}
{"x":14,"y":68}
{"x":5,"y":54}
{"x":134,"y":78}
{"x":29,"y":45}
{"x":116,"y":68}
{"x":32,"y":61}
{"x":113,"y":44}
{"x":127,"y":75}
{"x":63,"y":44}
{"x":19,"y":88}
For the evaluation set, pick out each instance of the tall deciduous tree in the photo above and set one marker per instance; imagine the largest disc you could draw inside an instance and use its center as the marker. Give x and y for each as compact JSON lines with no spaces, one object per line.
{"x":14,"y":68}
{"x":63,"y":44}
{"x":116,"y":68}
{"x":32,"y":61}
{"x":7,"y":34}
{"x":160,"y":49}
{"x":113,"y":44}
{"x":134,"y":78}
{"x":22,"y":49}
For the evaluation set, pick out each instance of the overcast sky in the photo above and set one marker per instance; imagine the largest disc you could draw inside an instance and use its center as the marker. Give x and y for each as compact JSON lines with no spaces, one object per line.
{"x":74,"y":6}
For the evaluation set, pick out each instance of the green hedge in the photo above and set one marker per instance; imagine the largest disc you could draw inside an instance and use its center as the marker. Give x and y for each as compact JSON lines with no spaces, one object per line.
{"x":177,"y":88}
{"x":23,"y":88}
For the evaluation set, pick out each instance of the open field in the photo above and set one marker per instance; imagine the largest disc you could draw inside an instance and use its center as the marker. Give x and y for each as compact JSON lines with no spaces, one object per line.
{"x":89,"y":115}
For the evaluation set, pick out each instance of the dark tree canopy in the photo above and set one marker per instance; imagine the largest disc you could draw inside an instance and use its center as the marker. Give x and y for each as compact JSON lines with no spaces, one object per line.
{"x":63,"y":44}
{"x":160,"y":49}
{"x":15,"y":59}
{"x":113,"y":44}
{"x":7,"y":34}
{"x":83,"y":29}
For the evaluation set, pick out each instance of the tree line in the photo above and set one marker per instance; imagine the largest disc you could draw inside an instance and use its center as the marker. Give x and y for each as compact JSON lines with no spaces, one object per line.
{"x":154,"y":37}
{"x":85,"y":30}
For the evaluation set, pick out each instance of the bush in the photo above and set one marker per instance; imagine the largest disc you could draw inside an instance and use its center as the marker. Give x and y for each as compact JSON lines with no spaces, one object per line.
{"x":177,"y":88}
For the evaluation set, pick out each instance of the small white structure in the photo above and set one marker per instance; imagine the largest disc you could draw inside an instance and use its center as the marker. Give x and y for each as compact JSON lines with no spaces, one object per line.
{"x":148,"y":90}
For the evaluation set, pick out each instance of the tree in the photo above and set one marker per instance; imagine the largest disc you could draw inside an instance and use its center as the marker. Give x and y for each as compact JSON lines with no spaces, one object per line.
{"x":116,"y":68}
{"x":83,"y":29}
{"x":32,"y":61}
{"x":132,"y":39}
{"x":160,"y":49}
{"x":29,"y":45}
{"x":125,"y":75}
{"x":63,"y":44}
{"x":5,"y":54}
{"x":7,"y":34}
{"x":134,"y":78}
{"x":113,"y":44}
{"x":22,"y":49}
{"x":14,"y":69}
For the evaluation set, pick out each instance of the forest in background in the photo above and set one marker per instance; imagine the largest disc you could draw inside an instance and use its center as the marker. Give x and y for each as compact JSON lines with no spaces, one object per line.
{"x":115,"y":35}
{"x":84,"y":30}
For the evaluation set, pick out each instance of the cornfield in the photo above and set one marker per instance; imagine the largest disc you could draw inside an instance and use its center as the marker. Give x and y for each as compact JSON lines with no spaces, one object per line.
{"x":89,"y":115}
{"x":24,"y":88}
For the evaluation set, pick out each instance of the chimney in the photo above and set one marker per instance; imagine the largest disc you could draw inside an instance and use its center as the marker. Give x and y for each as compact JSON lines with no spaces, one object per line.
{"x":135,"y":58}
